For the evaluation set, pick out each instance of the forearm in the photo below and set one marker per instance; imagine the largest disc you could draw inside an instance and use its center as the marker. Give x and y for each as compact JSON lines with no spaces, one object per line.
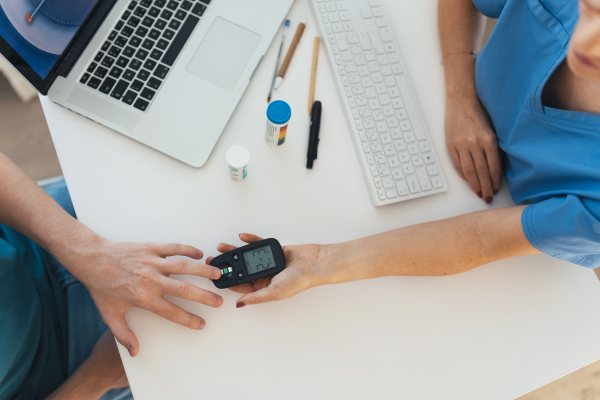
{"x":26,"y":207}
{"x":461,"y":28}
{"x":85,"y":384}
{"x":445,"y":247}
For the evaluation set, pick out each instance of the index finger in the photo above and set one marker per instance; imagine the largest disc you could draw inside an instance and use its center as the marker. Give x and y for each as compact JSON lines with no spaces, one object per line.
{"x":176,"y":249}
{"x":187,"y":267}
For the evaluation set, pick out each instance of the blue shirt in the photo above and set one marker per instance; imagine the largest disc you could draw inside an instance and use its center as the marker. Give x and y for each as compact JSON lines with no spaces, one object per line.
{"x":552,"y":156}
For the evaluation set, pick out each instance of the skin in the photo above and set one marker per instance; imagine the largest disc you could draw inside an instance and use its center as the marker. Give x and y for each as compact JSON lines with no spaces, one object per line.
{"x":461,"y":243}
{"x":119,"y":276}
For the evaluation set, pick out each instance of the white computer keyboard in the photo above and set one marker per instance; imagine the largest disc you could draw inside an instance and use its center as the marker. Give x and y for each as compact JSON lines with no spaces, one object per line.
{"x":393,"y":146}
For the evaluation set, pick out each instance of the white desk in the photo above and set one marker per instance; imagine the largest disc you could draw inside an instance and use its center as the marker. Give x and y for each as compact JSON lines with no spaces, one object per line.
{"x":496,"y":332}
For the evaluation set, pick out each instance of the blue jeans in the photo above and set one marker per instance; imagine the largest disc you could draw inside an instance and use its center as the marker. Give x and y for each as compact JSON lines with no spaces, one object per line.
{"x":85,"y":326}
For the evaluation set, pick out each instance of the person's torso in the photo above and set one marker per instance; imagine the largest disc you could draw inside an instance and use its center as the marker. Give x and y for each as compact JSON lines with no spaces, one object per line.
{"x":549,"y":152}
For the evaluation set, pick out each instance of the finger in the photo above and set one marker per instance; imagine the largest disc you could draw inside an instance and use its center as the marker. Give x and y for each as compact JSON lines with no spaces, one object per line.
{"x":224,"y":247}
{"x":170,"y":311}
{"x":264,"y":295}
{"x":185,"y":290}
{"x":244,"y":288}
{"x":187,"y":267}
{"x":209,"y":259}
{"x":495,"y":165}
{"x":466,"y":162}
{"x":483,"y":174}
{"x":175,"y":249}
{"x":124,"y":335}
{"x":249,"y":238}
{"x":456,"y":161}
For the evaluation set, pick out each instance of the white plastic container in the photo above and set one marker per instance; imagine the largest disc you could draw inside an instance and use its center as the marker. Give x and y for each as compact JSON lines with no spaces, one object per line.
{"x":278,"y":117}
{"x":238,"y":158}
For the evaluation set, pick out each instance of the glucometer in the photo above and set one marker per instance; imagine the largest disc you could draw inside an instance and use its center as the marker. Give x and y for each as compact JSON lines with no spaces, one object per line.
{"x":248,"y":263}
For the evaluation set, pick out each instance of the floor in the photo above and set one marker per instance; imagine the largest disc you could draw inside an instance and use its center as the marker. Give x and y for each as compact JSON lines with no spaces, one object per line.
{"x":25,"y":138}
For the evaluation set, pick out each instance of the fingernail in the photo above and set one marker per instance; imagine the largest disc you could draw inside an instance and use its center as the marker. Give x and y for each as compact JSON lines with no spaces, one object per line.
{"x":130,"y":350}
{"x":489,"y":199}
{"x":495,"y":192}
{"x":218,"y":302}
{"x":201,"y":324}
{"x":480,"y":195}
{"x":240,"y":235}
{"x":200,"y":254}
{"x":217,"y":273}
{"x":240,"y":304}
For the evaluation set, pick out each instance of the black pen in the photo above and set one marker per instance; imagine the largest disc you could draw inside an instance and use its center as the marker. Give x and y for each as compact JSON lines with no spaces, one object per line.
{"x":313,"y":137}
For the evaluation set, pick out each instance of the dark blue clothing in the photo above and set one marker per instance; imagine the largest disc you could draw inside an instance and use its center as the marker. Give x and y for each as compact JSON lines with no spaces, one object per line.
{"x":552,"y":156}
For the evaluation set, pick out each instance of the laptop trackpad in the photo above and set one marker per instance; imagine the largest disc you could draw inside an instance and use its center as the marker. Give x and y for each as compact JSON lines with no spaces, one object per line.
{"x":223,"y":54}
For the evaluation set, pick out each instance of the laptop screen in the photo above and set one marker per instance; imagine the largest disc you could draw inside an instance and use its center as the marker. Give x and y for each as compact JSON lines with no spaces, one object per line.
{"x":39,"y":31}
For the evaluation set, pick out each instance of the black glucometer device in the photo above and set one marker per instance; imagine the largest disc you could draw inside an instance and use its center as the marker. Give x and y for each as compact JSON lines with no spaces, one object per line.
{"x":248,"y":263}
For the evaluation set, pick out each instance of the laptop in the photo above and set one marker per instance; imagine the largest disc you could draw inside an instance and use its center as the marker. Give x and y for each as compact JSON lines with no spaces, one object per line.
{"x":167,"y":73}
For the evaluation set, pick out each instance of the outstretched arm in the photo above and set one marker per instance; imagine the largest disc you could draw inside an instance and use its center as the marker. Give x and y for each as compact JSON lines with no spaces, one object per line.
{"x":445,"y":247}
{"x":118,"y":275}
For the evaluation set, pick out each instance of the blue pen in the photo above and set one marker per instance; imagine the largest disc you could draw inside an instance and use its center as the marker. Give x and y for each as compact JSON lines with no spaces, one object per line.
{"x":285,"y":28}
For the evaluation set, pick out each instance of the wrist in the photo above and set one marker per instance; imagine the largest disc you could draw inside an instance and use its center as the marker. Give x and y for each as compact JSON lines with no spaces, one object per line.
{"x":337,"y":264}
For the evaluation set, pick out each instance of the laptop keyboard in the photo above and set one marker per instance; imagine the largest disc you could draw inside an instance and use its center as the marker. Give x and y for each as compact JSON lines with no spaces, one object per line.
{"x":136,"y":56}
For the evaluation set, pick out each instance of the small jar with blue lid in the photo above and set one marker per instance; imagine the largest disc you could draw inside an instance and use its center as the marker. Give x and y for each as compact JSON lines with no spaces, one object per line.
{"x":278,"y":116}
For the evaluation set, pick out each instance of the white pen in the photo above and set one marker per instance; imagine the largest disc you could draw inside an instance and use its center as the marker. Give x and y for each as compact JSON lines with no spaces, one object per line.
{"x":285,"y":28}
{"x":290,"y":54}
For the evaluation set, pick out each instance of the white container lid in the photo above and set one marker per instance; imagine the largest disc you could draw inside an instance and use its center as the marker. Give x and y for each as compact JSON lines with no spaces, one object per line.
{"x":238,"y":156}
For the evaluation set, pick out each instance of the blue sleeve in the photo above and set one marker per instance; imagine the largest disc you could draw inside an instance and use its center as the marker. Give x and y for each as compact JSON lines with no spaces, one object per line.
{"x":565,"y":227}
{"x":490,"y":8}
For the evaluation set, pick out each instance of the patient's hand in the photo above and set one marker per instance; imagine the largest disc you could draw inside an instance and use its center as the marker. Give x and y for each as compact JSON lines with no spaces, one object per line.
{"x":301,"y":273}
{"x":122,"y":275}
{"x":472,"y":144}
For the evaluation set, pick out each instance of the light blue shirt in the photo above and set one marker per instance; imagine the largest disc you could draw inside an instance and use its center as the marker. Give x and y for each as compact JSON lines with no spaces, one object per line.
{"x":552,"y":156}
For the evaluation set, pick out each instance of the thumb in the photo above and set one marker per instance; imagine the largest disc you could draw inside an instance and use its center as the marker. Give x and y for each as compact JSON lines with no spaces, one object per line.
{"x":264,"y":295}
{"x":124,"y":335}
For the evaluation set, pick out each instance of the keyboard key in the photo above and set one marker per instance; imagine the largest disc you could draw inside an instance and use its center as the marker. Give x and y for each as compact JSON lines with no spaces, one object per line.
{"x":387,"y":182}
{"x":135,"y":41}
{"x":413,"y":184}
{"x":149,"y":65}
{"x":133,"y":22}
{"x":423,"y":179}
{"x":162,"y":44}
{"x":129,"y":75}
{"x":437,"y":182}
{"x":179,"y":41}
{"x":143,"y":75}
{"x":399,"y":145}
{"x":377,"y":182}
{"x":112,"y":35}
{"x":404,"y":157}
{"x":381,"y":194}
{"x":126,"y":15}
{"x":94,"y":83}
{"x":107,"y":85}
{"x":135,"y":64}
{"x":140,"y":11}
{"x":160,"y":24}
{"x":407,"y":169}
{"x":168,"y":34}
{"x":424,"y":147}
{"x":132,"y":5}
{"x":383,"y":170}
{"x":137,"y":85}
{"x":180,"y":15}
{"x":161,"y":71}
{"x":148,"y":44}
{"x":393,"y":162}
{"x":121,"y":41}
{"x":116,"y":72}
{"x":174,"y":24}
{"x":105,"y":46}
{"x":154,"y":34}
{"x":166,"y":14}
{"x":119,"y":25}
{"x":141,"y":104}
{"x":391,"y":193}
{"x":198,"y":9}
{"x":148,"y":94}
{"x":428,"y":158}
{"x":374,"y":170}
{"x":172,"y":5}
{"x":417,"y":160}
{"x":84,"y":78}
{"x":141,"y":31}
{"x":160,"y":3}
{"x":409,"y":137}
{"x":397,"y":174}
{"x":154,"y":83}
{"x":147,"y":3}
{"x":153,"y":12}
{"x":127,"y":31}
{"x":129,"y":97}
{"x":119,"y":90}
{"x":99,"y":56}
{"x":101,"y":72}
{"x":127,"y":52}
{"x":156,"y":54}
{"x":432,"y":170}
{"x":114,"y":51}
{"x":107,"y":62}
{"x":148,"y":22}
{"x":402,"y":187}
{"x":141,"y":54}
{"x":186,"y":5}
{"x":413,"y":148}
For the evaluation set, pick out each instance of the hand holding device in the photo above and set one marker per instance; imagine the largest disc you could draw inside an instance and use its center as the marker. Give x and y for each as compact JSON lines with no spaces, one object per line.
{"x":301,"y":273}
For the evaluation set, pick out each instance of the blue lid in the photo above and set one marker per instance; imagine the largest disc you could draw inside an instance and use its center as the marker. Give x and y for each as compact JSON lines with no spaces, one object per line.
{"x":279,"y":112}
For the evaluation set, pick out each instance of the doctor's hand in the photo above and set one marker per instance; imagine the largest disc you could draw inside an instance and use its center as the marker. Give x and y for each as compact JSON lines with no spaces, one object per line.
{"x":301,"y":273}
{"x":472,"y":144}
{"x":122,"y":275}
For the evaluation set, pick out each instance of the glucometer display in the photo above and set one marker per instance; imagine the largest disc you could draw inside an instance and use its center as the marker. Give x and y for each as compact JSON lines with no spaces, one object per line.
{"x":258,"y":260}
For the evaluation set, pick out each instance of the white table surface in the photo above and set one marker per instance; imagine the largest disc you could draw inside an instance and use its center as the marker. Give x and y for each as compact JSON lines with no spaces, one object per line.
{"x":496,"y":332}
